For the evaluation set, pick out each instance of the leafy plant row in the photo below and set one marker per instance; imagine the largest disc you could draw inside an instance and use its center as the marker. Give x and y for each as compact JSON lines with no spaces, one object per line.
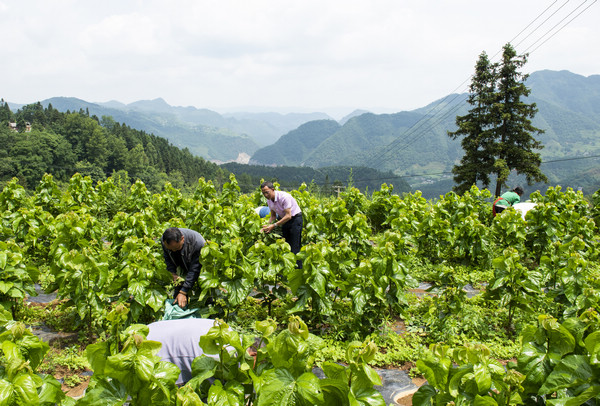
{"x":558,"y":365}
{"x":281,"y":372}
{"x":98,"y":246}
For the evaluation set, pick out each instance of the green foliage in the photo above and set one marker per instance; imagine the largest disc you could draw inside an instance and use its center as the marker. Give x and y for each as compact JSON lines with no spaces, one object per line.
{"x":70,"y":358}
{"x":67,"y":143}
{"x":513,"y":285}
{"x":281,"y":373}
{"x":498,"y":134}
{"x":466,"y":375}
{"x":135,"y":371}
{"x":98,"y":248}
{"x":16,"y":280}
{"x":22,"y":354}
{"x":560,"y":361}
{"x":557,"y":365}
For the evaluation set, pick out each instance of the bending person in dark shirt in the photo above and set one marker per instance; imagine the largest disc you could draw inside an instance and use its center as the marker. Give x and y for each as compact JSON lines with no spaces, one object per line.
{"x":181,"y":250}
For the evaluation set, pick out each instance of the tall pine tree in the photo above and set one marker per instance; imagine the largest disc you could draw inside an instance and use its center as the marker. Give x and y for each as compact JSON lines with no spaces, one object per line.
{"x":498,"y":134}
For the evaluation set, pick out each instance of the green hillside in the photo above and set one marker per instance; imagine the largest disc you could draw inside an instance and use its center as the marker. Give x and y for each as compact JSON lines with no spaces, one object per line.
{"x":211,"y":142}
{"x":325,"y":179}
{"x":62,"y":144}
{"x":412,"y":143}
{"x":568,"y":90}
{"x":293,"y":148}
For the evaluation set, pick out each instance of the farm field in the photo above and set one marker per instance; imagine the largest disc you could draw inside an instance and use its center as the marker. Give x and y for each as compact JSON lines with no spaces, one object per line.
{"x":508,"y":315}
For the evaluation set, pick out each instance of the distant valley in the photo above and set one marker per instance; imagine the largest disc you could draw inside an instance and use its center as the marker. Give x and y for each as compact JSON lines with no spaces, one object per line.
{"x":206,"y":133}
{"x":409,"y":143}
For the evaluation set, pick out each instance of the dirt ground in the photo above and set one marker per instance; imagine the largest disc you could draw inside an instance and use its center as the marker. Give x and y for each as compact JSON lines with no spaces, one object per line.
{"x":407,"y":400}
{"x":73,"y":392}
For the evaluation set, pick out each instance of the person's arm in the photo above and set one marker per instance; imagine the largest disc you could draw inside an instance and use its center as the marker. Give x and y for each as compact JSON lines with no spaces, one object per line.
{"x":171,"y":267}
{"x":193,"y":272}
{"x":286,"y":217}
{"x":272,"y":219}
{"x":191,"y":276}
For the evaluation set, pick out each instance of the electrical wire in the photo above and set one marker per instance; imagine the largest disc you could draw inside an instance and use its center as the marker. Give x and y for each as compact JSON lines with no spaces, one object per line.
{"x":395,"y":147}
{"x":560,"y":29}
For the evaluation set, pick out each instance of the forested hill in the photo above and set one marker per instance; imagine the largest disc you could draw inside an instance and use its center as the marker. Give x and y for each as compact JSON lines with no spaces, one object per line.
{"x":416,"y":142}
{"x":63,"y":143}
{"x":326,"y":179}
{"x":206,"y":133}
{"x":294,"y":147}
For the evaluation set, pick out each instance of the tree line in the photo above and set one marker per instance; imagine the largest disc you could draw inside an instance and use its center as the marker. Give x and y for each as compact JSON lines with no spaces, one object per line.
{"x":46,"y":140}
{"x":323,"y":181}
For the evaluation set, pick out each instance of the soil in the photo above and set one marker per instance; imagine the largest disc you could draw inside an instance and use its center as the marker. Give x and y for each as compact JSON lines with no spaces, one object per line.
{"x":62,"y":340}
{"x":77,"y":391}
{"x":407,"y":400}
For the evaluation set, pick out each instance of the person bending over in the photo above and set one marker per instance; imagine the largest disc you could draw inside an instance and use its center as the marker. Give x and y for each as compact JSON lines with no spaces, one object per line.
{"x":181,"y":251}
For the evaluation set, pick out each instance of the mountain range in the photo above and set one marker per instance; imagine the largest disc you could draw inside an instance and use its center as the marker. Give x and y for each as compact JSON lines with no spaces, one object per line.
{"x":409,"y":143}
{"x":569,"y":112}
{"x":415,"y":142}
{"x":206,"y":133}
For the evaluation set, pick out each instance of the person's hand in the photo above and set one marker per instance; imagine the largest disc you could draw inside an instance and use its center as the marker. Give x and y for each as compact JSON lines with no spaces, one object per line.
{"x":181,"y":300}
{"x":268,"y":228}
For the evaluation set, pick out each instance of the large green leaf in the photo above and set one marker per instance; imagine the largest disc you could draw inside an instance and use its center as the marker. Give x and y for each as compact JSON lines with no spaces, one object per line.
{"x":482,"y":378}
{"x":279,"y":387}
{"x":5,"y":286}
{"x":435,"y":370}
{"x":3,"y":259}
{"x":238,"y":290}
{"x":334,"y":371}
{"x":335,"y":392}
{"x":50,"y":391}
{"x":572,"y":371}
{"x":424,"y":395}
{"x":588,"y":394}
{"x":230,"y":395}
{"x":366,"y":397}
{"x":203,"y":367}
{"x":484,"y":401}
{"x":166,"y":373}
{"x":187,"y":397}
{"x":105,"y":393}
{"x":25,"y":389}
{"x":592,"y":344}
{"x":454,"y":386}
{"x":535,"y":364}
{"x":561,"y":340}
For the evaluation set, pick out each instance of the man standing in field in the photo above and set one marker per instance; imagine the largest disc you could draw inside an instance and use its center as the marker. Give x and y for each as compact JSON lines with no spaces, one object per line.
{"x":181,"y":250}
{"x":286,"y":213}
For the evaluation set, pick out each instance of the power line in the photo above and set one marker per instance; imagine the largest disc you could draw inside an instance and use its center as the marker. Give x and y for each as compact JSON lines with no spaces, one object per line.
{"x":395,"y":147}
{"x":560,"y":29}
{"x":531,"y":23}
{"x":543,"y":22}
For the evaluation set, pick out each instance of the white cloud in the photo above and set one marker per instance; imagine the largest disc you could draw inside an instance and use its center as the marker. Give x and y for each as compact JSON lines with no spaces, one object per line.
{"x":279,"y":53}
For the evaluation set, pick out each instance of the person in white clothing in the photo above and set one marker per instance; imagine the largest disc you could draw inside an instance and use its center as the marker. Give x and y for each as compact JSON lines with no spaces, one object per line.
{"x":180,"y":342}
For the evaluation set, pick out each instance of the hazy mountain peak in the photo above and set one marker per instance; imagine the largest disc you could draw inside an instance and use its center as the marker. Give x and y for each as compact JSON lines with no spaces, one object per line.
{"x":113,"y":104}
{"x":355,"y":113}
{"x":158,"y":104}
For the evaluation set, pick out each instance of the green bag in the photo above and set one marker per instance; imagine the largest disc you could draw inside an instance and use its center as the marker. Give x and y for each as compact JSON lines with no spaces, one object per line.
{"x":174,"y":312}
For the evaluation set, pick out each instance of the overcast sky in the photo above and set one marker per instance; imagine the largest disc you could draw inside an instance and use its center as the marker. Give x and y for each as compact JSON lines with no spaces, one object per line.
{"x":280,"y":55}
